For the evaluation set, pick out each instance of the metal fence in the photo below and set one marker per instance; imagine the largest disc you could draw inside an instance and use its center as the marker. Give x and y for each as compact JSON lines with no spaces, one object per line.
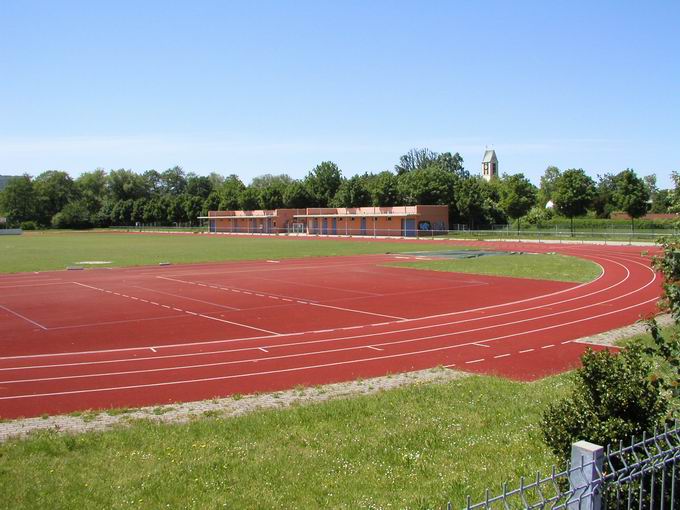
{"x":644,"y":474}
{"x":494,"y":232}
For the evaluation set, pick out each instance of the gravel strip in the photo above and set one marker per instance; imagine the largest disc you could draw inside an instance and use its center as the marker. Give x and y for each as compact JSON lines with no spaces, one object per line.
{"x":225,"y":407}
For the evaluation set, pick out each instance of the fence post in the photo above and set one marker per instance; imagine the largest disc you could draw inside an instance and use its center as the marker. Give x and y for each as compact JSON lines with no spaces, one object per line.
{"x":587,"y":460}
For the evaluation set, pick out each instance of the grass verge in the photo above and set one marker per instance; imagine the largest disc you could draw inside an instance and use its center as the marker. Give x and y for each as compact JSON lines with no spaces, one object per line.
{"x":413,"y":447}
{"x":539,"y":266}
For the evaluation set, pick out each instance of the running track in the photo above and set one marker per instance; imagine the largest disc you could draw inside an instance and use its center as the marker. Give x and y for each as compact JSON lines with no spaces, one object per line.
{"x":73,"y":340}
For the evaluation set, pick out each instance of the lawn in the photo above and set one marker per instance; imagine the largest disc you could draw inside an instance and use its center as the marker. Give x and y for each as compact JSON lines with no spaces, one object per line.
{"x":413,"y":447}
{"x":544,"y":267}
{"x":41,"y":251}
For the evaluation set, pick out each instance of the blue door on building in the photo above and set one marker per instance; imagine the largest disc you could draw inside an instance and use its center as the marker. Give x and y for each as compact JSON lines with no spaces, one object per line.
{"x":315,"y":226}
{"x":335,"y":227}
{"x":213,"y":226}
{"x":409,"y":227}
{"x":363,"y":226}
{"x":324,"y":226}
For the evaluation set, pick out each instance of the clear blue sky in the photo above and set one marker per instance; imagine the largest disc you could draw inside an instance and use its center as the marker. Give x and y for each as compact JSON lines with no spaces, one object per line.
{"x":269,"y":87}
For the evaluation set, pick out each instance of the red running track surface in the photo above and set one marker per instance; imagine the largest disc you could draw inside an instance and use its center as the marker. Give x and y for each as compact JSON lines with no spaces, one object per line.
{"x":74,"y":340}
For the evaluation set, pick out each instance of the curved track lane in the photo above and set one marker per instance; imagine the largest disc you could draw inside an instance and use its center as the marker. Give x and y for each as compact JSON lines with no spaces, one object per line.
{"x":523,"y":338}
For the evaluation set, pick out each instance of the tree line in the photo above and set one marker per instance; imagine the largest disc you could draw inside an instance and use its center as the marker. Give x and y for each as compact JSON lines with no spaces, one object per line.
{"x":124,"y":197}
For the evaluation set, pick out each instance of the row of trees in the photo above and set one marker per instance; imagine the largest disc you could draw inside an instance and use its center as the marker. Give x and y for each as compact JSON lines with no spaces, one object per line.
{"x":124,"y":197}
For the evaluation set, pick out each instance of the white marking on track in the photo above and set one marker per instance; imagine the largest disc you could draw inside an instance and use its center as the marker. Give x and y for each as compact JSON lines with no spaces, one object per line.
{"x":474,"y":361}
{"x":263,"y":349}
{"x":527,"y":350}
{"x":547,"y":346}
{"x":501,"y":356}
{"x":152,"y":349}
{"x":374,"y":348}
{"x":23,"y":317}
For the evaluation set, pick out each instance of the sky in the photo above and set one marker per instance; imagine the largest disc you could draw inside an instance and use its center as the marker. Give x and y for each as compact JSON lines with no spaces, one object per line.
{"x":277,"y":87}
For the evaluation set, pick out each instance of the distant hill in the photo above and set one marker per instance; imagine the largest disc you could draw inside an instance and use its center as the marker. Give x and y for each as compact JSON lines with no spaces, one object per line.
{"x":4,"y":179}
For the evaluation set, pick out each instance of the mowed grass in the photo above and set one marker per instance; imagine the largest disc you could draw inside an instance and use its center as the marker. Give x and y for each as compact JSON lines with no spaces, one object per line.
{"x":536,"y":266}
{"x":43,"y":251}
{"x":413,"y":447}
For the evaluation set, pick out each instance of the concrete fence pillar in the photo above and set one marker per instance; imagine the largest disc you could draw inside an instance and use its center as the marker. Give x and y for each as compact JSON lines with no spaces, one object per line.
{"x":587,"y":460}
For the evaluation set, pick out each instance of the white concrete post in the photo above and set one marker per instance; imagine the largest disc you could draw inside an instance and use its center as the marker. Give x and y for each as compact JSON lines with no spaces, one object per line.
{"x":587,"y":460}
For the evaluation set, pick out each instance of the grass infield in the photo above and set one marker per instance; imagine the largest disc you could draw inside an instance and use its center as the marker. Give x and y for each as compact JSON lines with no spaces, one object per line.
{"x":43,"y":251}
{"x":542,"y":267}
{"x":413,"y":447}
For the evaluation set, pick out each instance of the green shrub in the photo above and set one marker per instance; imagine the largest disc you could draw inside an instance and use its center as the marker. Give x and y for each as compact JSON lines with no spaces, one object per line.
{"x":28,"y":225}
{"x":614,"y":398}
{"x":73,"y":215}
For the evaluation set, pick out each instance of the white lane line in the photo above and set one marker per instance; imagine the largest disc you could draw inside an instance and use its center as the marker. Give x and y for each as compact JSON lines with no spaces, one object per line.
{"x":177,"y":309}
{"x":237,"y":324}
{"x":527,"y":350}
{"x":357,"y":311}
{"x":187,"y":298}
{"x":32,"y":285}
{"x":106,"y":323}
{"x":567,"y":342}
{"x":501,"y":356}
{"x":548,"y":346}
{"x":474,"y":361}
{"x":374,"y":348}
{"x":152,"y":349}
{"x":24,"y":317}
{"x":194,"y":313}
{"x":655,"y":276}
{"x":478,"y":344}
{"x":289,"y":356}
{"x":263,"y":349}
{"x":193,"y":344}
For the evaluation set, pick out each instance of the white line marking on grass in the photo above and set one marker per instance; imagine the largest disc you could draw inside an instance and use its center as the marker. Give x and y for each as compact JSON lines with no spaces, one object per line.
{"x":23,"y":317}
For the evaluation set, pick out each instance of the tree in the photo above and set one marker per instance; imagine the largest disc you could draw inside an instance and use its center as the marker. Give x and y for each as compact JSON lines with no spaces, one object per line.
{"x":18,"y":200}
{"x":352,"y":193}
{"x":383,"y":189}
{"x":470,"y":201}
{"x":427,"y":186}
{"x":270,"y":197}
{"x":173,"y":181}
{"x":267,"y":180}
{"x":547,"y":185}
{"x":230,"y":192}
{"x":296,"y":195}
{"x":452,"y":163}
{"x":573,"y":194}
{"x":603,"y":198}
{"x":92,"y":188}
{"x":323,"y":183}
{"x":127,"y":185}
{"x":198,"y":186}
{"x":415,"y":159}
{"x":248,"y":199}
{"x":74,"y":215}
{"x":518,"y":195}
{"x":53,"y":190}
{"x":631,"y":195}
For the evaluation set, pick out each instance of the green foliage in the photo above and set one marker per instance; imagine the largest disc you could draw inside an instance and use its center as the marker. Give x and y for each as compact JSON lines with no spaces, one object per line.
{"x":664,"y":351}
{"x":631,"y":194}
{"x":323,"y":182}
{"x":573,"y":193}
{"x":28,"y":225}
{"x":73,"y":215}
{"x":547,"y":185}
{"x":17,"y":200}
{"x":669,"y":265}
{"x":518,"y":195}
{"x":352,"y":193}
{"x":614,"y":397}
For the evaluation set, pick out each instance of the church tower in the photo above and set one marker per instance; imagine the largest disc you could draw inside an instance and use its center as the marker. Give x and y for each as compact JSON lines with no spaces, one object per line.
{"x":490,"y":165}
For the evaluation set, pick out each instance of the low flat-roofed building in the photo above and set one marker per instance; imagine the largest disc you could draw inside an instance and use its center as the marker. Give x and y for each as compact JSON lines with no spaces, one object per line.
{"x":407,"y":220}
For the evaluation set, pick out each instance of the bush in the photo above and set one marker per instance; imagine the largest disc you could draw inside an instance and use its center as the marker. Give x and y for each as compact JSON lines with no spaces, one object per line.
{"x":28,"y":225}
{"x":73,"y":215}
{"x":615,"y":397}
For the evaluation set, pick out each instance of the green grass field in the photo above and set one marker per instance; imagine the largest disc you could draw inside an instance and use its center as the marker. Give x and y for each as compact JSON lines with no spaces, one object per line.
{"x":43,"y":251}
{"x":545,"y":267}
{"x":413,"y":447}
